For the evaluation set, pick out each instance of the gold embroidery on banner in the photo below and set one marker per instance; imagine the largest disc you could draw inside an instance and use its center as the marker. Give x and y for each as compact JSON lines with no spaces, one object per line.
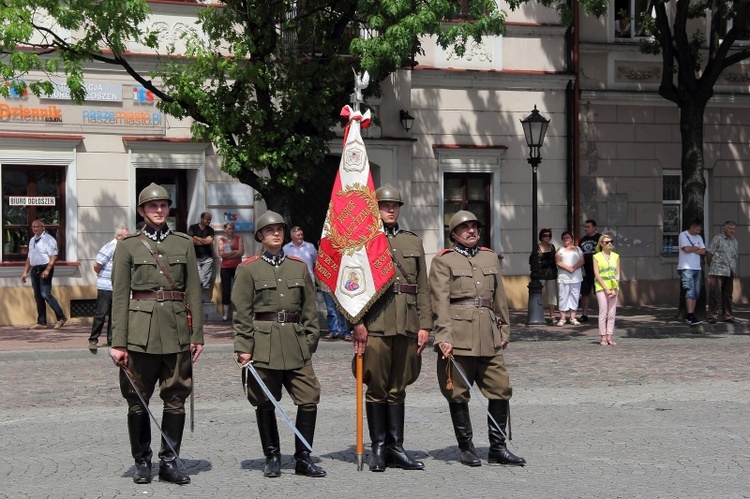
{"x":346,"y":241}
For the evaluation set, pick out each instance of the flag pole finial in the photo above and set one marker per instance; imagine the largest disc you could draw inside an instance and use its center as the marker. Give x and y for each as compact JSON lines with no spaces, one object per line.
{"x":361,"y":81}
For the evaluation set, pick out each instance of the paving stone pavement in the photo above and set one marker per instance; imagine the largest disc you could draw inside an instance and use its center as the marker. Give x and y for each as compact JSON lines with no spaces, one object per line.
{"x":663,"y":414}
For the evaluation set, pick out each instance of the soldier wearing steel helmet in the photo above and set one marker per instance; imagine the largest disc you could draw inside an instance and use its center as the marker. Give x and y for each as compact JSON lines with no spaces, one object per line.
{"x":276,"y":327}
{"x":151,"y":334}
{"x":471,"y":323}
{"x":392,"y":336}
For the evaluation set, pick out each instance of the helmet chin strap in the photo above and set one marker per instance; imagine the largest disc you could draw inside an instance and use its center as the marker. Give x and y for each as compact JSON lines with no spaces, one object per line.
{"x":462,"y":241}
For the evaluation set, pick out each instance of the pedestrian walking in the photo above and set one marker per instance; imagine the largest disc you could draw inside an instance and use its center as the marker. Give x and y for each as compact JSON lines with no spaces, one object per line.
{"x":156,"y":337}
{"x":721,"y":256}
{"x":607,"y":285}
{"x":391,"y":337}
{"x":40,"y":265}
{"x":472,"y":328}
{"x":103,"y":268}
{"x":276,"y":327}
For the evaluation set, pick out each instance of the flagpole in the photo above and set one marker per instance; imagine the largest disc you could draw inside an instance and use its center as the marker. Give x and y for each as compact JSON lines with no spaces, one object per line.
{"x":360,"y":444}
{"x":360,"y":416}
{"x":354,"y":260}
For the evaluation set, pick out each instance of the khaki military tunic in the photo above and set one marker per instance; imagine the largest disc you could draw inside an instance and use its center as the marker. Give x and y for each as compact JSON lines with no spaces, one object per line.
{"x":390,"y":361}
{"x":156,"y":333}
{"x":473,"y":331}
{"x":281,"y":351}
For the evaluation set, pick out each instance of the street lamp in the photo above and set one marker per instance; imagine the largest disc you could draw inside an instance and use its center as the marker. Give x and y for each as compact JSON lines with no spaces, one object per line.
{"x":535,"y":128}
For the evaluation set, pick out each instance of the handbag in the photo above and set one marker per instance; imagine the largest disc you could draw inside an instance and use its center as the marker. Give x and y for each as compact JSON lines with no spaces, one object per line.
{"x":547,"y":265}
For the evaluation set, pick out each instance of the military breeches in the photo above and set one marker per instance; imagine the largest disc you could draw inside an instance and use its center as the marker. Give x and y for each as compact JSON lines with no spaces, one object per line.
{"x":301,"y":384}
{"x":173,"y":372}
{"x":390,"y":364}
{"x":488,"y":373}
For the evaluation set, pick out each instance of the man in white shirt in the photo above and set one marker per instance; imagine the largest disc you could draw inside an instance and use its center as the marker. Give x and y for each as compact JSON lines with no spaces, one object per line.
{"x":302,"y":249}
{"x":41,"y":264}
{"x":689,"y":267}
{"x":103,"y":269}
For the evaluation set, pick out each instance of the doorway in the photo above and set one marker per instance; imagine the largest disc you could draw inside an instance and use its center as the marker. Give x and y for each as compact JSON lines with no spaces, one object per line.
{"x":175,"y":182}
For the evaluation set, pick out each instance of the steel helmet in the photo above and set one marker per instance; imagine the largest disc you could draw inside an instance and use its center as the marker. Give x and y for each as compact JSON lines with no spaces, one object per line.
{"x":460,"y":217}
{"x":153,"y":192}
{"x":388,"y":193}
{"x":266,"y":219}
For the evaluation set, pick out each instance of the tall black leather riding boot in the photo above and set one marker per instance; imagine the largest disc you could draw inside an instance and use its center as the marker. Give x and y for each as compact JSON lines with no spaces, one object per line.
{"x":395,"y":455}
{"x":269,"y":439}
{"x":376,"y":422}
{"x":464,"y":433}
{"x":306,"y":425}
{"x":172,"y":424}
{"x":499,"y":453}
{"x":139,"y":430}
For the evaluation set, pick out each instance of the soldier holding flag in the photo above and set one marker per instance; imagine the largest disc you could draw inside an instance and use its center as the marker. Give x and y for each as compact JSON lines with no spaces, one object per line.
{"x":472,"y":330}
{"x":392,"y":335}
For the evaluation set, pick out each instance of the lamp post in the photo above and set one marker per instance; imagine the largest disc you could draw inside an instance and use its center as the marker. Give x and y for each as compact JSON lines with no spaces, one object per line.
{"x":535,"y":128}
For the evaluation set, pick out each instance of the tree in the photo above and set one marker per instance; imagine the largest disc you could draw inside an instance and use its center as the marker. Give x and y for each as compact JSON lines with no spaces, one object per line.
{"x":690,"y":72}
{"x":263,"y":80}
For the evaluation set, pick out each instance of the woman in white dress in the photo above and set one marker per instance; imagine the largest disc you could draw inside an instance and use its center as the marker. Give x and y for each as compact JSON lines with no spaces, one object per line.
{"x":569,"y":261}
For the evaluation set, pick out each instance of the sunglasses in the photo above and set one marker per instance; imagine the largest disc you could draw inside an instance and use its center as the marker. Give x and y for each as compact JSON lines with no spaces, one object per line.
{"x":607,"y":242}
{"x":546,"y":235}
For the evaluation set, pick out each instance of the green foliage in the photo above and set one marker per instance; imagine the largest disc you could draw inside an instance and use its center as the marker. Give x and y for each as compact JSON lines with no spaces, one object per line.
{"x":263,"y":81}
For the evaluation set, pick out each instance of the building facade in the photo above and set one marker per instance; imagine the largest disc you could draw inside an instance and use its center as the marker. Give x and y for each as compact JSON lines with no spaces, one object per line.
{"x":611,"y":153}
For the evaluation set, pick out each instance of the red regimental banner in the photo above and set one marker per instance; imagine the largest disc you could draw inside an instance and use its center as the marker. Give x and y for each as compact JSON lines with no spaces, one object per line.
{"x":354,"y":259}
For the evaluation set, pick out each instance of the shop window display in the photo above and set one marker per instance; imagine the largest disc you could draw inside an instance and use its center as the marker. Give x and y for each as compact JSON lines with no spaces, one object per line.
{"x":29,"y":193}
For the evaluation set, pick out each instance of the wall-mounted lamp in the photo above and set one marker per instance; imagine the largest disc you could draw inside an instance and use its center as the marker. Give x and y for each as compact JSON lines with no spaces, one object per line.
{"x":407,"y":120}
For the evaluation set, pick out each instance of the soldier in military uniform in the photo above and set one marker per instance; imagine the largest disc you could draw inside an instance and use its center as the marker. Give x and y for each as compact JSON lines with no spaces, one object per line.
{"x":276,"y":327}
{"x":471,"y":323}
{"x":392,"y":335}
{"x":151,"y":334}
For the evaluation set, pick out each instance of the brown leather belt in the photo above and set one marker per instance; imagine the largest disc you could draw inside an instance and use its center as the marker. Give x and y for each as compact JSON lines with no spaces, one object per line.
{"x":477,"y":302}
{"x":159,"y":295}
{"x":282,"y":316}
{"x":405,"y":288}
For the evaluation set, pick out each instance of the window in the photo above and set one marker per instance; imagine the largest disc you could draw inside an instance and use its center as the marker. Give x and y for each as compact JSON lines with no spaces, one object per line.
{"x":627,"y":17}
{"x":671,"y":212}
{"x":467,"y":191}
{"x":31,"y":193}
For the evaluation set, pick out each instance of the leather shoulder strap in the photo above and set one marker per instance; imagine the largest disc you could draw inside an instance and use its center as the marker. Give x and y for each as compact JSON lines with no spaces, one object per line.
{"x":159,"y":262}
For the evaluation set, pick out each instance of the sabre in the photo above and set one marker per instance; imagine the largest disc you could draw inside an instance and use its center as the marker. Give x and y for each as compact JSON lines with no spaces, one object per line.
{"x":475,"y":396}
{"x":131,"y":379}
{"x":273,"y":400}
{"x":192,"y":396}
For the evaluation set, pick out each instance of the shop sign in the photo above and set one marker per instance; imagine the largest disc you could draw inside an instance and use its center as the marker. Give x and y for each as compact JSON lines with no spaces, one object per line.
{"x":13,"y":94}
{"x":107,"y":117}
{"x":242,"y":218}
{"x":143,"y":97}
{"x":28,"y":113}
{"x":31,"y":200}
{"x":95,"y":91}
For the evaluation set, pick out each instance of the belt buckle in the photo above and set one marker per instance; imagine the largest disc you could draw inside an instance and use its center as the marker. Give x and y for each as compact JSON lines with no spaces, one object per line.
{"x":397,"y":288}
{"x":281,"y":316}
{"x":159,"y":295}
{"x":478,"y":301}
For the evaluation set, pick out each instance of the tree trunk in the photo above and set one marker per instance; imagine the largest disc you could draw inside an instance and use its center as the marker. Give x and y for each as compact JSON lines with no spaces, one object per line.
{"x":693,"y":182}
